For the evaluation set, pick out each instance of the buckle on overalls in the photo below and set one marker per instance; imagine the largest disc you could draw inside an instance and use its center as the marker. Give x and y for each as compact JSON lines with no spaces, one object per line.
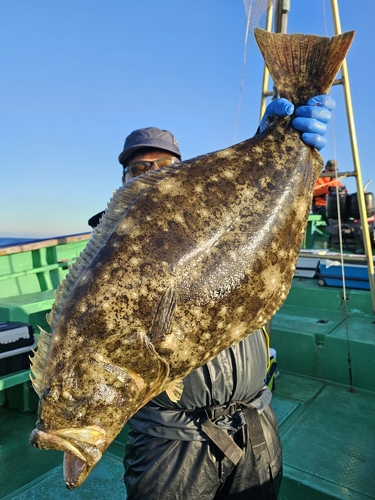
{"x":214,"y":412}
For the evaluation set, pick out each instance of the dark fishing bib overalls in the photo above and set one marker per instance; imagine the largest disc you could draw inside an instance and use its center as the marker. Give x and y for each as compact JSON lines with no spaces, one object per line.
{"x":220,"y":441}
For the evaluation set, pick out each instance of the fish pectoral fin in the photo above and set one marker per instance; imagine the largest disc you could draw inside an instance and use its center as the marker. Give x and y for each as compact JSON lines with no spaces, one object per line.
{"x":105,"y":364}
{"x":163,"y":318}
{"x":175,"y":389}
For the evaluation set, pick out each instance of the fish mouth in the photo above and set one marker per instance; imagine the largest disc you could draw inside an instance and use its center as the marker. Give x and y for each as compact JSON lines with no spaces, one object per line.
{"x":75,"y":470}
{"x":82,"y":447}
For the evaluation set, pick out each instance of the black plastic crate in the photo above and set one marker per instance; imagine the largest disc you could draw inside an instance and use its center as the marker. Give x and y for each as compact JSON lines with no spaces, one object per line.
{"x":16,"y":341}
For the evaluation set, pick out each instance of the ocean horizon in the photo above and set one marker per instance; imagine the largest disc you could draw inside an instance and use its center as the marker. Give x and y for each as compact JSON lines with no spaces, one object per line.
{"x":5,"y":242}
{"x":13,"y":240}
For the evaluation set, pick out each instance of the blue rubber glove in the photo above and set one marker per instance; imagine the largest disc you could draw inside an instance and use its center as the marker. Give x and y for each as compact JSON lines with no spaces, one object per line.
{"x":311,"y":119}
{"x":279,"y":107}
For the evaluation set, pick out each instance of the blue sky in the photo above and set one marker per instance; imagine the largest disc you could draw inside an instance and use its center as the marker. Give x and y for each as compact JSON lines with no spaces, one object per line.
{"x":78,"y":75}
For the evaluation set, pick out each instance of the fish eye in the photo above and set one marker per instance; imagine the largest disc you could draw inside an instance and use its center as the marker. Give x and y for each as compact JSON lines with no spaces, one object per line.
{"x":46,"y":392}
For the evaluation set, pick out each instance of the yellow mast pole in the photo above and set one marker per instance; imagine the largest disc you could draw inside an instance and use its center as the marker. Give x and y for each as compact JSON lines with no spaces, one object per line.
{"x":263,"y":104}
{"x":355,"y":155}
{"x":281,"y":16}
{"x":266,"y":74}
{"x":281,"y":22}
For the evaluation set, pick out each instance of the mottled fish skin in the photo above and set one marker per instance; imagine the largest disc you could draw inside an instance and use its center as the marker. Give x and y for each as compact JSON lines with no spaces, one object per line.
{"x":200,"y":255}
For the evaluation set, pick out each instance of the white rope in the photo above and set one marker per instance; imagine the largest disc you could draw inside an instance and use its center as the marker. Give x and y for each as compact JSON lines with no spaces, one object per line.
{"x":248,"y":9}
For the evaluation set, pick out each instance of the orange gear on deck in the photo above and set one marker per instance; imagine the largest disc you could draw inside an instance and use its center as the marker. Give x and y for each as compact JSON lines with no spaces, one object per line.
{"x":322,"y":186}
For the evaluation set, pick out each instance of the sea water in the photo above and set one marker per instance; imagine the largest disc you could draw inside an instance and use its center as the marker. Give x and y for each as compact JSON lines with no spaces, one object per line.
{"x":6,"y":242}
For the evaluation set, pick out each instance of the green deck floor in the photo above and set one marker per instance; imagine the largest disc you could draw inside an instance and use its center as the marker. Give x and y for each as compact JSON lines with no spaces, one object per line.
{"x":104,"y":482}
{"x":37,"y":474}
{"x":328,"y":440}
{"x":328,"y":436}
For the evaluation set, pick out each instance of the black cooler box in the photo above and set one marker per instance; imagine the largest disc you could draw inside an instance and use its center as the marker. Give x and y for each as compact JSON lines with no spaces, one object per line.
{"x":16,"y":341}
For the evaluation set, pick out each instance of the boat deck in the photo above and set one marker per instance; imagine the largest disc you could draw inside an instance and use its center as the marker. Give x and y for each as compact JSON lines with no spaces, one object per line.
{"x":324,"y":404}
{"x":37,"y":474}
{"x":328,"y":436}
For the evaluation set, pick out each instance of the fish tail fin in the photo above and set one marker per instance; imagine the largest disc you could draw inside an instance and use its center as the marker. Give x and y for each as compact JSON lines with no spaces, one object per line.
{"x":302,"y":66}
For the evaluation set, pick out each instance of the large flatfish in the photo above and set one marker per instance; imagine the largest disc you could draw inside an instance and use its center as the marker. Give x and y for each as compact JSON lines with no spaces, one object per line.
{"x":187,"y":261}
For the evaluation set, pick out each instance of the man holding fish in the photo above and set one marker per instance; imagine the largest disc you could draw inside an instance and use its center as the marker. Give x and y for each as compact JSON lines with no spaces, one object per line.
{"x":159,"y":321}
{"x":220,"y":439}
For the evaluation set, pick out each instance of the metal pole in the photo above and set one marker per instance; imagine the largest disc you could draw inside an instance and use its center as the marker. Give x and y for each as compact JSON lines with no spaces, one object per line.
{"x":265,"y":92}
{"x":281,"y":21}
{"x":282,"y":9}
{"x":357,"y":167}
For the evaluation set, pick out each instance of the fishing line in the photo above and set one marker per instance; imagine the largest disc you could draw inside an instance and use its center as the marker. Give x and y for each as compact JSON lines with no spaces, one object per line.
{"x":344,"y":301}
{"x":248,"y":9}
{"x":325,"y":17}
{"x":254,"y":10}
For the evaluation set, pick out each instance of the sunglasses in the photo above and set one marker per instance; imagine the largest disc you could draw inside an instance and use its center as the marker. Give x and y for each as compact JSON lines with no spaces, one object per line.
{"x":140,"y":167}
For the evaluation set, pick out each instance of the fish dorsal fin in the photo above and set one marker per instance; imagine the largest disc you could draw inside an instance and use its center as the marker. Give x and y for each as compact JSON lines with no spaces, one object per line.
{"x":121,"y":200}
{"x":39,"y":360}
